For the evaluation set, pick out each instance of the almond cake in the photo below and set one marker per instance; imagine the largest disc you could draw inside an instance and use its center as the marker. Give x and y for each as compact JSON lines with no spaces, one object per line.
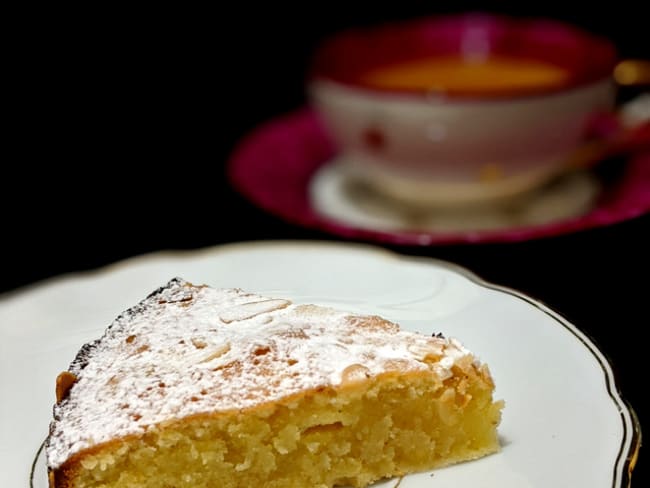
{"x":204,"y":387}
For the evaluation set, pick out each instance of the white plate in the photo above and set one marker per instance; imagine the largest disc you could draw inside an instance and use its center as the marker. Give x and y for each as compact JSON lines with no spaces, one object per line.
{"x":564,"y":424}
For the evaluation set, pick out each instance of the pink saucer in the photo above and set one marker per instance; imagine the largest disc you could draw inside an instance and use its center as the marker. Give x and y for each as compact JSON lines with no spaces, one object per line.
{"x":276,"y":165}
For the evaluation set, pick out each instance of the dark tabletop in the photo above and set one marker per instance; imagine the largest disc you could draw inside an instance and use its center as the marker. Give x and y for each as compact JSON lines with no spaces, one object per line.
{"x":125,"y":127}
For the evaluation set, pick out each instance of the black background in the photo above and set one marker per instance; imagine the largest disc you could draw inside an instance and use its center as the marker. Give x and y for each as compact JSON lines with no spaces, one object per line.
{"x":124,"y":120}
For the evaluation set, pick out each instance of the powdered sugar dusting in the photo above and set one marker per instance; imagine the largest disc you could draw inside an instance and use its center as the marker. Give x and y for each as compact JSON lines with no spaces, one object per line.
{"x":188,"y":349}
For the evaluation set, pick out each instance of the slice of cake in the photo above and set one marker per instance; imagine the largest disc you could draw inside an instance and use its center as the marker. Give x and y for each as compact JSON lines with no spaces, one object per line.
{"x":200,"y":387}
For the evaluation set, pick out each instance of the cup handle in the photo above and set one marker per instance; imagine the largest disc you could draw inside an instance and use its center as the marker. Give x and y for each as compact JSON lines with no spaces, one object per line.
{"x":633,"y":72}
{"x":625,"y":130}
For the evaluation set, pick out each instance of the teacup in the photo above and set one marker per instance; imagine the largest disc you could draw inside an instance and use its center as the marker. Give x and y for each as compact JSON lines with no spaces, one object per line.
{"x":461,"y":109}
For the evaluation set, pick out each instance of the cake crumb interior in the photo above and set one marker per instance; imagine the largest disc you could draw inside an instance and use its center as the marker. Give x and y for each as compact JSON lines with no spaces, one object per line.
{"x":376,"y":428}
